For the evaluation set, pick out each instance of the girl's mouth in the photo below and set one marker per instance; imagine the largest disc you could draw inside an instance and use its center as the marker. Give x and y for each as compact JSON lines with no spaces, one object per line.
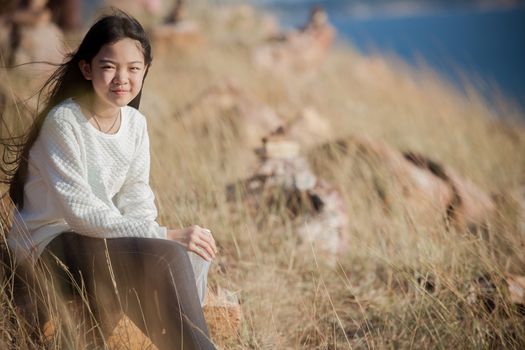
{"x":120,"y":92}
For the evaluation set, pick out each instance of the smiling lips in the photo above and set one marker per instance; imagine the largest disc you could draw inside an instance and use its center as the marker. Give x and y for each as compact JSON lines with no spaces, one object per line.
{"x":120,"y":92}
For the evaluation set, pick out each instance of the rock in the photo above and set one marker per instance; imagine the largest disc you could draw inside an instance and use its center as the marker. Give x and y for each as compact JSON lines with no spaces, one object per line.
{"x":284,"y":180}
{"x":301,"y":49}
{"x":34,"y":14}
{"x":41,"y":43}
{"x":153,"y":7}
{"x":469,"y":207}
{"x":309,"y":128}
{"x":474,"y":208}
{"x":257,"y":121}
{"x":66,"y":13}
{"x":426,"y":187}
{"x":510,"y":212}
{"x":243,"y":19}
{"x":283,"y":166}
{"x":423,"y":185}
{"x":328,"y":229}
{"x":485,"y":294}
{"x":223,"y":315}
{"x":28,"y":36}
{"x":252,"y":119}
{"x":183,"y":35}
{"x":424,"y":194}
{"x":516,"y":286}
{"x":482,"y":294}
{"x":285,"y":149}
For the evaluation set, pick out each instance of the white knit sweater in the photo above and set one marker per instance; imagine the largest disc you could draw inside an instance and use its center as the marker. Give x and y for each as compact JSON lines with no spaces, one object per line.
{"x":83,"y":180}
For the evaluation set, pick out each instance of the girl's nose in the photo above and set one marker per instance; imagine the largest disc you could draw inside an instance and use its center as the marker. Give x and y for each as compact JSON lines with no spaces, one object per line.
{"x":119,"y":82}
{"x":120,"y":78}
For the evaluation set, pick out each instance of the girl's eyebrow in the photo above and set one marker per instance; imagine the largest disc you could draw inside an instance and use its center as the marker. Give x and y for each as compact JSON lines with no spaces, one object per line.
{"x":107,"y":60}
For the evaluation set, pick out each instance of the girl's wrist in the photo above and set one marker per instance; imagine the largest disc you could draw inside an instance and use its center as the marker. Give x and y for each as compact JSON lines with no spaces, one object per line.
{"x":174,"y":234}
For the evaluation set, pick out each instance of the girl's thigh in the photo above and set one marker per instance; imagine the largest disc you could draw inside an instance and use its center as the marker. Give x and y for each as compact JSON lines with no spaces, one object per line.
{"x":129,"y":262}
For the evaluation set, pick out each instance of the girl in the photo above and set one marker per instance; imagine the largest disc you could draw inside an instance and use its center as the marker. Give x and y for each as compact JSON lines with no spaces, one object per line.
{"x":85,"y":207}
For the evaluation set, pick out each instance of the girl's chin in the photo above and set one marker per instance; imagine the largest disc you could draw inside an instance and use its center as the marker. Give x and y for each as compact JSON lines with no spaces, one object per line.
{"x":122,"y":94}
{"x":115,"y":100}
{"x":121,"y":100}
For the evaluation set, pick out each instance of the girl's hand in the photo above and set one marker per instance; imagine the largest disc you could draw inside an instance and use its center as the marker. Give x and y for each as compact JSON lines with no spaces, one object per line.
{"x":196,"y":239}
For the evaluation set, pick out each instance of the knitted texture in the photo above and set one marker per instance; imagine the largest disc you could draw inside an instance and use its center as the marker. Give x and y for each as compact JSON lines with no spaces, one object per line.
{"x":83,"y":180}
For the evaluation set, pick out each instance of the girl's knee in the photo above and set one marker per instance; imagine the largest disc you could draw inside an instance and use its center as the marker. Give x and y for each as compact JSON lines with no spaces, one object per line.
{"x":200,"y":270}
{"x":168,"y":255}
{"x":198,"y":263}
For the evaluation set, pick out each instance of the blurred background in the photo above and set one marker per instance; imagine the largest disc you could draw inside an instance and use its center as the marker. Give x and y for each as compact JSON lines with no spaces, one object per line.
{"x":480,"y":41}
{"x":476,"y":40}
{"x":361,"y":163}
{"x":466,"y":41}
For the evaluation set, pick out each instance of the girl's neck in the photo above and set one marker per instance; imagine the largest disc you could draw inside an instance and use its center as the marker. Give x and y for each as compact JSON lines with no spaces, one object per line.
{"x":99,"y":109}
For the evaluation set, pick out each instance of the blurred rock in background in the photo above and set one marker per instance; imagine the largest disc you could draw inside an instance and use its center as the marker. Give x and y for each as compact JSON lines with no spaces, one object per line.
{"x":302,"y":49}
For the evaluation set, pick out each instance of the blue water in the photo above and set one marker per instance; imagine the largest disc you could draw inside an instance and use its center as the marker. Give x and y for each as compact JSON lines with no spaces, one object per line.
{"x":486,"y":46}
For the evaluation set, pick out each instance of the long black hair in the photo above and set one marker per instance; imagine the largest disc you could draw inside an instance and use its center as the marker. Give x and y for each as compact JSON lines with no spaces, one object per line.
{"x":67,"y":81}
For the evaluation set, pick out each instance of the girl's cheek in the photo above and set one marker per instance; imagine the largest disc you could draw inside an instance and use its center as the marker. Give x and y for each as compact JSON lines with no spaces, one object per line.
{"x":107,"y":76}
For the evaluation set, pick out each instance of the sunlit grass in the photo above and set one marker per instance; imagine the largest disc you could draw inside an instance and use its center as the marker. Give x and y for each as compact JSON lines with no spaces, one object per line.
{"x":378,"y":295}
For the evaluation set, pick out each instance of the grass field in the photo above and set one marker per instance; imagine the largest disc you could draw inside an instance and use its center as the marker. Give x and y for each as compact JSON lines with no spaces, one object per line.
{"x":377,"y":295}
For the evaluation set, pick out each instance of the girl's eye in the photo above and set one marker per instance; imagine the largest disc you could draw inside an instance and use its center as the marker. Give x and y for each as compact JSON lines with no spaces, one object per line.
{"x":135,"y":69}
{"x":107,"y":67}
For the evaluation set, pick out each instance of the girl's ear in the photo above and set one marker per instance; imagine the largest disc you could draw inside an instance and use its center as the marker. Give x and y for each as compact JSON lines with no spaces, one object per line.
{"x":85,"y":68}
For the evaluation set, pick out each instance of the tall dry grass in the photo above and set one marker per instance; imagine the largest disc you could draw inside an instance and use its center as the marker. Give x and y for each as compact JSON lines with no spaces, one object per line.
{"x":406,"y":282}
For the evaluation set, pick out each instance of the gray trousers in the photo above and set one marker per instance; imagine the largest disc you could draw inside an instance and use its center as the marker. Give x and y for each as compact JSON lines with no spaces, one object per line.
{"x":155,"y":282}
{"x":200,"y":270}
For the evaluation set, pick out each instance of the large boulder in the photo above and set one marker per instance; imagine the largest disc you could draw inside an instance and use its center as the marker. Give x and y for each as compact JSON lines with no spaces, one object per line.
{"x":516,"y":286}
{"x":183,"y":35}
{"x":251,"y":119}
{"x":309,"y":128}
{"x":469,"y":207}
{"x":301,"y":49}
{"x":328,"y":228}
{"x":28,"y":35}
{"x":66,"y":13}
{"x":423,"y":187}
{"x":41,"y":43}
{"x":33,"y":38}
{"x":491,"y":292}
{"x":254,"y":121}
{"x":284,"y":180}
{"x":240,"y":24}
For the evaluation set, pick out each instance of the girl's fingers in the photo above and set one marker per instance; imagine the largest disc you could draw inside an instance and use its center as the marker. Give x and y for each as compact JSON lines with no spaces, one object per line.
{"x":208,"y":237}
{"x":197,"y":249}
{"x":207,"y":247}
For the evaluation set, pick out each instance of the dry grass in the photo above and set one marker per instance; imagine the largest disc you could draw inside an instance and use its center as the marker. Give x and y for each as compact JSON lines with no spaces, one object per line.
{"x":405,"y":283}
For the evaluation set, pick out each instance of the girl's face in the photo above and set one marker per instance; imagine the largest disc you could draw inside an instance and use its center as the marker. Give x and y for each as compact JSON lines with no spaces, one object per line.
{"x":116,"y":72}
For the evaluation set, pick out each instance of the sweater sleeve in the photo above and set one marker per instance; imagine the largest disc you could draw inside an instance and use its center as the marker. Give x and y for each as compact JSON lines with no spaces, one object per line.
{"x":60,"y":162}
{"x":135,"y":198}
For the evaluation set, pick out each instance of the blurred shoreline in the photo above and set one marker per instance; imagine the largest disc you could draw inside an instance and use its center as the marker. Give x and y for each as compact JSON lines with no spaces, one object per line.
{"x":467,"y":44}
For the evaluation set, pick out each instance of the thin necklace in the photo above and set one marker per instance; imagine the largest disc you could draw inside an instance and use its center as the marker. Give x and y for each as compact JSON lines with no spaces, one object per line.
{"x":118,"y":116}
